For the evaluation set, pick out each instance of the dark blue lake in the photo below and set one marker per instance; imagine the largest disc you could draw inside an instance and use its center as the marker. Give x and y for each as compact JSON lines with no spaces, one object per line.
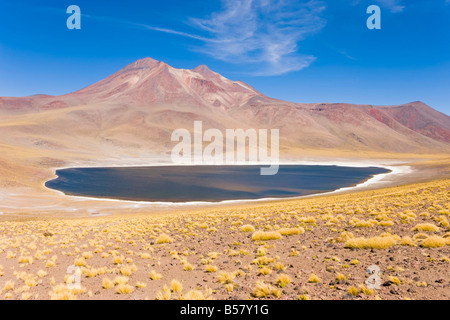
{"x":206,"y":183}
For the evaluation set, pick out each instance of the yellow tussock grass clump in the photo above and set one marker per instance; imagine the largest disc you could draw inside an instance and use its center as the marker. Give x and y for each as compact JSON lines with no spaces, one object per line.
{"x":291,"y":231}
{"x":154,"y":275}
{"x":124,"y":289}
{"x":9,"y":285}
{"x":62,"y":292}
{"x":420,"y":236}
{"x":422,"y":284}
{"x":80,"y":262}
{"x":340,"y":277}
{"x":394,"y":280}
{"x":120,"y":280}
{"x":213,"y":255}
{"x":434,"y":242}
{"x":362,"y":224}
{"x":386,"y":223}
{"x":25,"y":259}
{"x":197,"y":295}
{"x":310,"y":220}
{"x":42,"y":274}
{"x":366,"y":291}
{"x":344,"y":236}
{"x":126,"y":271}
{"x":265,"y":271}
{"x":248,"y":228}
{"x":31,"y":282}
{"x":263,"y":290}
{"x":25,"y":296}
{"x":262,"y":251}
{"x":370,"y":243}
{"x":91,"y":273}
{"x":187,"y":266}
{"x":264,"y":260}
{"x":50,"y":264}
{"x":426,"y":227}
{"x":225,"y":277}
{"x":164,"y":295}
{"x":210,"y":268}
{"x":283,"y":280}
{"x":443,"y":221}
{"x":118,"y":260}
{"x":176,"y":286}
{"x":407,"y":241}
{"x":266,"y":235}
{"x":145,"y":256}
{"x":107,"y":283}
{"x":87,"y":255}
{"x":279,"y":266}
{"x":353,"y":291}
{"x":164,"y":238}
{"x":313,"y":278}
{"x":194,"y":295}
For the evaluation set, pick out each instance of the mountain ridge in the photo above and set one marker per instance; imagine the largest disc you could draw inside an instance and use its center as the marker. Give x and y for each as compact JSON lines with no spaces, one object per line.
{"x":137,"y":108}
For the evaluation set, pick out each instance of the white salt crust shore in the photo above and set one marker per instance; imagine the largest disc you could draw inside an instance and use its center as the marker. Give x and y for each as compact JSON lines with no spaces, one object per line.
{"x":379,"y":179}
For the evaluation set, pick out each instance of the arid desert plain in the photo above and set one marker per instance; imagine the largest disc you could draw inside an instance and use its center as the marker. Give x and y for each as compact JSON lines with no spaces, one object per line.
{"x":315,"y":247}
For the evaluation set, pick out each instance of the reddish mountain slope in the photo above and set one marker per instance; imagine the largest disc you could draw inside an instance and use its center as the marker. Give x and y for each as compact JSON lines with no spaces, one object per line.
{"x":139,"y":106}
{"x":421,"y":118}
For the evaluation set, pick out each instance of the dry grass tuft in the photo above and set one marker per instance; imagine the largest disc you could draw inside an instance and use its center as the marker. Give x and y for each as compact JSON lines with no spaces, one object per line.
{"x":426,"y":227}
{"x":164,"y":238}
{"x":370,"y":243}
{"x":314,"y":278}
{"x":176,"y":286}
{"x":248,"y":228}
{"x":154,"y":275}
{"x":124,"y":289}
{"x":434,"y":242}
{"x":283,"y":280}
{"x":226,"y":277}
{"x":291,"y":231}
{"x":107,"y":283}
{"x":266,"y":235}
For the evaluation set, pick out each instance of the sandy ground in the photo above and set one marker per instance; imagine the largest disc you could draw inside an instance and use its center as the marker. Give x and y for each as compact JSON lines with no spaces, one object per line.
{"x":43,"y":233}
{"x":213,"y":252}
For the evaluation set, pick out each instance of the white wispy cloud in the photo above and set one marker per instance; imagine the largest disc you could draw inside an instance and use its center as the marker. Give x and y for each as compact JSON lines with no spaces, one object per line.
{"x":264,"y":34}
{"x":392,"y":5}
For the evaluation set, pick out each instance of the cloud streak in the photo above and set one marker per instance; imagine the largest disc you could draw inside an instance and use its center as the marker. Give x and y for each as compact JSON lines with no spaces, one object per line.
{"x":262,"y":34}
{"x":393,"y":5}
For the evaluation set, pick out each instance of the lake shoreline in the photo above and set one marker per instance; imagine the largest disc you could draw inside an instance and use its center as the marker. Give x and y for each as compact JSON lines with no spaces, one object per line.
{"x":372,"y":180}
{"x":20,"y":204}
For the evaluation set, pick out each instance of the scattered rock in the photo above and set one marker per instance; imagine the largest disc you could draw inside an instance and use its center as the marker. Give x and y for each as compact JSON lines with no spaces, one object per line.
{"x":394,"y":291}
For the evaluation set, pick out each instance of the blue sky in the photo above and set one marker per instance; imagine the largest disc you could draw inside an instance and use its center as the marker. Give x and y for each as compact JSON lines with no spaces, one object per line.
{"x":301,"y":51}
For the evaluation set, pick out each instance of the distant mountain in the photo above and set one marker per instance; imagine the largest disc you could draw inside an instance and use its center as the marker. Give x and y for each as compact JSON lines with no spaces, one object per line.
{"x":134,"y":111}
